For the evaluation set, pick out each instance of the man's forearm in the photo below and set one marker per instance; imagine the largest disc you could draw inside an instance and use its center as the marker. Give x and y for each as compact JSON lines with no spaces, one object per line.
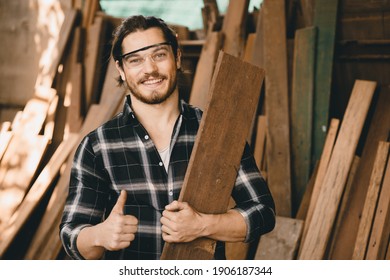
{"x":230,"y":227}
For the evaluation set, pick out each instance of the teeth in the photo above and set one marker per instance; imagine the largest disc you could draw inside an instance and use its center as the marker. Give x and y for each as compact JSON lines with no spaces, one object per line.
{"x":154,"y":81}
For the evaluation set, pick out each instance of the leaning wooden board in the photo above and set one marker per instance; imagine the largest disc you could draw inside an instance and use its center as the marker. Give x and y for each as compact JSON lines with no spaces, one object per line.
{"x":276,"y":105}
{"x":215,"y":160}
{"x":316,"y":241}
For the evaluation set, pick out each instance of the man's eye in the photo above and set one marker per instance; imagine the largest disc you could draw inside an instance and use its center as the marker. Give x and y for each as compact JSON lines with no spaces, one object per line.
{"x":160,"y":55}
{"x":134,"y":60}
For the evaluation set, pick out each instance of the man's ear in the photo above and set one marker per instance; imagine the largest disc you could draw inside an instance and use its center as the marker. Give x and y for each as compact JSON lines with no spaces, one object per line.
{"x":120,"y":70}
{"x":178,"y":59}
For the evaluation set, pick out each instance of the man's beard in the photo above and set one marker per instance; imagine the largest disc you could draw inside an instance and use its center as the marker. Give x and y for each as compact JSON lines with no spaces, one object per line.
{"x":154,"y":97}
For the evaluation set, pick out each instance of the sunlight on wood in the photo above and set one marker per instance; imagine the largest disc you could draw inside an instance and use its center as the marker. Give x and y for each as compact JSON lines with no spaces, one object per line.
{"x":49,"y":22}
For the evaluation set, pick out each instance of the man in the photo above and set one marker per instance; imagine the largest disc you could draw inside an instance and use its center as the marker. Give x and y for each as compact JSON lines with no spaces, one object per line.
{"x":127,"y":174}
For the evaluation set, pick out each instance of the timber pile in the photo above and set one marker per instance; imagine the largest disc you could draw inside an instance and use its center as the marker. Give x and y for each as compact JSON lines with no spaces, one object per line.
{"x":327,"y":164}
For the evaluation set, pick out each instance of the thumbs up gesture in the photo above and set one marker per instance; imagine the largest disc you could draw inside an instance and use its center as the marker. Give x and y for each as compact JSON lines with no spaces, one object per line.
{"x":118,"y":230}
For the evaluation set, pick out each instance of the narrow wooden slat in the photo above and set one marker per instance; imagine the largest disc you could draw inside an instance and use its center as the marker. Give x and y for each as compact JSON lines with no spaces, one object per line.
{"x":322,"y":168}
{"x":233,"y":27}
{"x":204,"y":70}
{"x":302,"y":110}
{"x":258,"y":44}
{"x":324,"y":214}
{"x":372,"y":197}
{"x":281,"y":243}
{"x":276,"y":103}
{"x":380,"y":233}
{"x":325,"y":17}
{"x":212,"y":169}
{"x":379,"y":128}
{"x":36,"y":192}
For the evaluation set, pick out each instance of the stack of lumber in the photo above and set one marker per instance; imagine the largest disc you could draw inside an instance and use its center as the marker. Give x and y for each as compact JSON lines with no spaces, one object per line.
{"x":74,"y":93}
{"x":327,"y":164}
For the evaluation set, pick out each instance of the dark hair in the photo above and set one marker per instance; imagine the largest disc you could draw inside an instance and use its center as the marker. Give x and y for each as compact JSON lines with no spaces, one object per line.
{"x":135,"y":23}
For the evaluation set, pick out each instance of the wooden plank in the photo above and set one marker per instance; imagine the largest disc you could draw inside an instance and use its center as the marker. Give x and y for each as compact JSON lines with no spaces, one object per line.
{"x":233,"y":27}
{"x":302,"y":110}
{"x":36,"y":192}
{"x":234,"y":95}
{"x":281,"y":243}
{"x":110,"y":82}
{"x":316,"y":241}
{"x":17,"y":170}
{"x":380,"y":233}
{"x":276,"y":103}
{"x":372,"y":197}
{"x":379,"y":128}
{"x":344,"y":201}
{"x":322,"y":168}
{"x":325,"y":17}
{"x":204,"y":70}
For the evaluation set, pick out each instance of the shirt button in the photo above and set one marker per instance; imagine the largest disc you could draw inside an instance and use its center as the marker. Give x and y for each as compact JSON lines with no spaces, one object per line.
{"x":170,"y":193}
{"x":160,"y":163}
{"x":146,"y":137}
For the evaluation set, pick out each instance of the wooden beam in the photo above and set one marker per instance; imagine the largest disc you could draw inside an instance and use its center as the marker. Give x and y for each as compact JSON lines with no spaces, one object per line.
{"x":276,"y":105}
{"x":212,"y":169}
{"x":325,"y":17}
{"x":281,"y":243}
{"x":302,"y":110}
{"x":380,"y":233}
{"x":324,"y":214}
{"x":372,"y":197}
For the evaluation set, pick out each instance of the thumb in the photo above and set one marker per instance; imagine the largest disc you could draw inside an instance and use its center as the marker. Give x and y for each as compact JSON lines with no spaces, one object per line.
{"x":120,"y":203}
{"x":176,"y":206}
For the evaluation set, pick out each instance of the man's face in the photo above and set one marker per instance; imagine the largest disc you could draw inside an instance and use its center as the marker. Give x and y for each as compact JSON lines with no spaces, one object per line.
{"x":150,"y":74}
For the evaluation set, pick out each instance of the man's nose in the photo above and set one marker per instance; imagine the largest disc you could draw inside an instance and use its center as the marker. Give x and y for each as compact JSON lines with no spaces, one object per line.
{"x":149,"y":65}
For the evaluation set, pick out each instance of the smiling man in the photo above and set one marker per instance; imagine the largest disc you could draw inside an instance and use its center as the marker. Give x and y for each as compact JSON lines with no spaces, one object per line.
{"x":128,"y":173}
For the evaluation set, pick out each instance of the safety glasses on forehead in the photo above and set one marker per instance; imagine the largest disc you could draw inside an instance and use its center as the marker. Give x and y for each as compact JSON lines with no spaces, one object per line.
{"x":145,"y":48}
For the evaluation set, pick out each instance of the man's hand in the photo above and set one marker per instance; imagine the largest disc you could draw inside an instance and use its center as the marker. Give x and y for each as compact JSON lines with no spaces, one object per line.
{"x":181,"y":223}
{"x":118,"y":230}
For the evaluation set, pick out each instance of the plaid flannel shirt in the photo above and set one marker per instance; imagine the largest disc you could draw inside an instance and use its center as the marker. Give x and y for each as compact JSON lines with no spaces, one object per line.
{"x":120,"y":155}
